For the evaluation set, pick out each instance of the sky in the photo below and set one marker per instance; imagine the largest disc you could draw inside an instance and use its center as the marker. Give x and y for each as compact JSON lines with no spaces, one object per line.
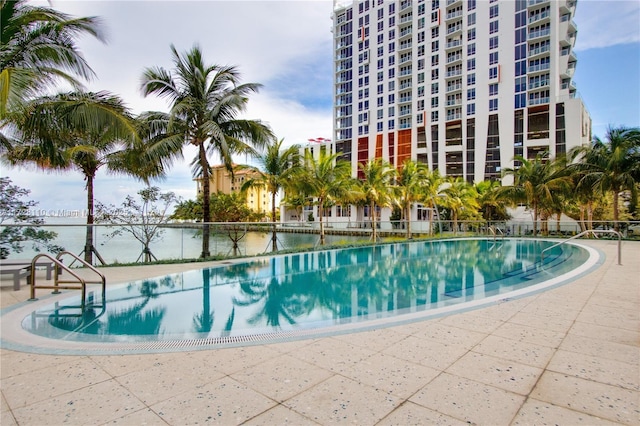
{"x":287,"y":47}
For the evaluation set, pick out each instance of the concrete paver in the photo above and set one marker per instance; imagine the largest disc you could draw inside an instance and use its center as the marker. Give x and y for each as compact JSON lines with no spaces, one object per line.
{"x":570,"y":355}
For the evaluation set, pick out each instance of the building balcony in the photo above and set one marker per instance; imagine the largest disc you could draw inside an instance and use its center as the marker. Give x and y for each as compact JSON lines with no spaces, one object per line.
{"x":454,"y":58}
{"x":454,"y":88}
{"x":539,"y":51}
{"x":405,"y":86}
{"x":454,"y":14}
{"x":454,"y":44}
{"x":405,"y":59}
{"x":408,"y":18}
{"x":453,"y":2}
{"x":533,"y":69}
{"x":404,"y":99}
{"x":540,"y":18}
{"x":566,"y":5}
{"x":402,"y":73}
{"x":454,"y":116}
{"x":454,"y":30}
{"x":534,"y":3}
{"x":538,"y":101}
{"x":538,"y":84}
{"x":404,"y":112}
{"x":407,"y":32}
{"x":453,"y":74}
{"x":539,"y":34}
{"x":406,"y":4}
{"x":454,"y":102}
{"x":406,"y":45}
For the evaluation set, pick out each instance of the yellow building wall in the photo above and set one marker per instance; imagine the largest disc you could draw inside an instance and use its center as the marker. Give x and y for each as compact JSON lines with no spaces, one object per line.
{"x":258,"y":199}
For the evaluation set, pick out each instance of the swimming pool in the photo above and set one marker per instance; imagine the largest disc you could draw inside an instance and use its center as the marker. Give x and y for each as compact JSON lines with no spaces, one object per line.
{"x":309,"y":294}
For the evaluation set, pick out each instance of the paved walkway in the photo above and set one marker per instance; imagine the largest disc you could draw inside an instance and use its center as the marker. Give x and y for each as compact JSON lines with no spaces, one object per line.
{"x":567,"y":356}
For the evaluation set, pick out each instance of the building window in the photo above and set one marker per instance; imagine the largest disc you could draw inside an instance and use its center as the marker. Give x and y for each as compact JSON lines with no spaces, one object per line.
{"x":434,"y":102}
{"x":471,"y":4}
{"x":493,"y":72}
{"x":493,"y":104}
{"x":434,"y":88}
{"x":493,"y":27}
{"x":434,"y":74}
{"x":471,"y":94}
{"x":471,"y":34}
{"x":471,"y":109}
{"x":471,"y":19}
{"x":392,"y":124}
{"x":471,"y":79}
{"x":392,"y":111}
{"x":493,"y":58}
{"x":435,"y":32}
{"x":435,"y":60}
{"x":435,"y":46}
{"x":471,"y":49}
{"x":493,"y":11}
{"x":493,"y":42}
{"x":471,"y":64}
{"x":434,"y":115}
{"x":493,"y":89}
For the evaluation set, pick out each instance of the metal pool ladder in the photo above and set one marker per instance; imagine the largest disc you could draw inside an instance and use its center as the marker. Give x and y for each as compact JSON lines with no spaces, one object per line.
{"x":78,"y":284}
{"x":495,"y":230}
{"x":591,"y":231}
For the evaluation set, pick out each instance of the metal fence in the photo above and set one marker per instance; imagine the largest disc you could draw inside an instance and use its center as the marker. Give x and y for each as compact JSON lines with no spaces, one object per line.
{"x":183,"y":241}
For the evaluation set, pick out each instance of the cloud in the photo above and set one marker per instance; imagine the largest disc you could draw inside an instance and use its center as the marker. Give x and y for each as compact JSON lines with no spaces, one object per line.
{"x":284,"y":45}
{"x":607,"y":23}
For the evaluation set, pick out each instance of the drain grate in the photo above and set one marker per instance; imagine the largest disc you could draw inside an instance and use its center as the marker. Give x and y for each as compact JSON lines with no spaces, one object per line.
{"x":210,"y":341}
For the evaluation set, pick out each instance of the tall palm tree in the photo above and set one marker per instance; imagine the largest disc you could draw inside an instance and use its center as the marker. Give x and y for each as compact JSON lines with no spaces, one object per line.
{"x":85,"y":132}
{"x":206,"y":101}
{"x":277,"y":169}
{"x":376,"y":189}
{"x":534,"y":182}
{"x":37,"y":49}
{"x":411,"y":186}
{"x":327,"y":180}
{"x":491,"y":203}
{"x":612,"y":165}
{"x":460,"y":197}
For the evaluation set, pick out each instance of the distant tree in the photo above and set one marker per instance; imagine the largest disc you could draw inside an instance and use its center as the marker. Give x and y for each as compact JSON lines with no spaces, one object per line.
{"x":205,"y":102}
{"x":84,"y":132}
{"x":15,"y":210}
{"x":534,"y":182}
{"x":376,"y":188}
{"x":460,"y":199}
{"x":277,"y":169}
{"x":612,"y":165}
{"x":411,"y":186}
{"x":142,"y":219}
{"x":326,"y":179}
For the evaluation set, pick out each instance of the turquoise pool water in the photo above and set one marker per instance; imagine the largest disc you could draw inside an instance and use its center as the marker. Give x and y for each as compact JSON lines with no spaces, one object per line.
{"x":304,"y":291}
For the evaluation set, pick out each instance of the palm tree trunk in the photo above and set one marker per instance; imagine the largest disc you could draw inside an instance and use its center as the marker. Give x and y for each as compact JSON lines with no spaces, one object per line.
{"x":274,"y":237}
{"x":535,"y":219}
{"x":206,"y":200}
{"x":616,"y":213}
{"x":320,"y":204}
{"x":88,"y":242}
{"x":374,"y":224}
{"x":408,"y":216}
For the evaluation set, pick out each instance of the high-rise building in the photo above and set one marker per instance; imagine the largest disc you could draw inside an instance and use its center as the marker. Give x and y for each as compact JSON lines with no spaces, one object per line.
{"x":463,"y":86}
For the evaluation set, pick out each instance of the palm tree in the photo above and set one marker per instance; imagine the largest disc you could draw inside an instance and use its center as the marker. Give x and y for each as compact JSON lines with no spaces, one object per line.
{"x":432,"y":191}
{"x":205,"y":103}
{"x":411,"y":185}
{"x":534,"y":182}
{"x":277,"y":169}
{"x":327,"y":180}
{"x":460,"y":198}
{"x":612,"y":165}
{"x":376,"y":188}
{"x":82,"y":131}
{"x":37,"y":49}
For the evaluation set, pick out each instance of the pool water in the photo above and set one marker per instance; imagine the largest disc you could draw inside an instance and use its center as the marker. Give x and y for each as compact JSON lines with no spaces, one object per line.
{"x":307,"y":290}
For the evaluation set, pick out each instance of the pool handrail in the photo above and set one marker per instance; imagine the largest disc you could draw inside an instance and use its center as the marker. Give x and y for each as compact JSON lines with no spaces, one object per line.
{"x":493,"y":231}
{"x":590,"y":231}
{"x":56,"y":277}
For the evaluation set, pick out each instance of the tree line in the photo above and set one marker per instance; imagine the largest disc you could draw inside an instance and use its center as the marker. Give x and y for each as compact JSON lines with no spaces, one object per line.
{"x":90,"y":131}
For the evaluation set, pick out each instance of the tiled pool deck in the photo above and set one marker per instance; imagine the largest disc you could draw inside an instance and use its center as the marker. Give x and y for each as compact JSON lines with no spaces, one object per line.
{"x":567,"y":356}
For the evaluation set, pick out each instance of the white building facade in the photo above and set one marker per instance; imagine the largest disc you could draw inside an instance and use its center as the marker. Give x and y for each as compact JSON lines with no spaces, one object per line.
{"x":463,"y":86}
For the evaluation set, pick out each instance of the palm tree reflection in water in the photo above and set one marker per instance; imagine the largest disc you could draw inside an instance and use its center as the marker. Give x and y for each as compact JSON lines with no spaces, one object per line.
{"x":316,"y":289}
